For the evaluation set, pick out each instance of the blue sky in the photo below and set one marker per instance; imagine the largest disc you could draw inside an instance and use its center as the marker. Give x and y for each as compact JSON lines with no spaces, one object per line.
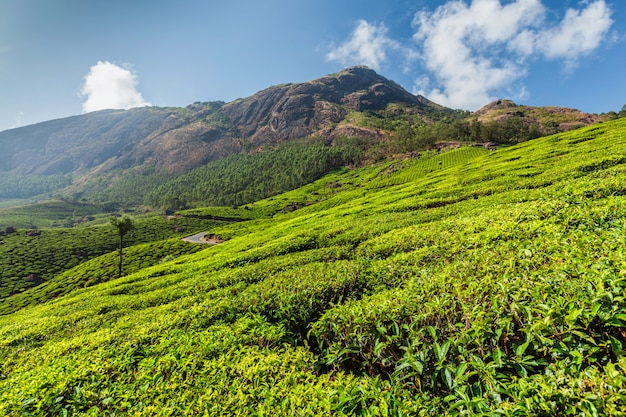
{"x":65,"y":57}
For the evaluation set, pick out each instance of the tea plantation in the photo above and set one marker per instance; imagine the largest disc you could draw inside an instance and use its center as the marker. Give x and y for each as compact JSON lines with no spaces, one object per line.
{"x":27,"y":259}
{"x":464,"y":283}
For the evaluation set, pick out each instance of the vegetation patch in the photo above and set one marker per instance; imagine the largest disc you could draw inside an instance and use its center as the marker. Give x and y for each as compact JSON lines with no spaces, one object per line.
{"x":27,"y":260}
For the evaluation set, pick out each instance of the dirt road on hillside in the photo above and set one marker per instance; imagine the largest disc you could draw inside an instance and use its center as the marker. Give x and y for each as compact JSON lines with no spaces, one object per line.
{"x":203,"y":238}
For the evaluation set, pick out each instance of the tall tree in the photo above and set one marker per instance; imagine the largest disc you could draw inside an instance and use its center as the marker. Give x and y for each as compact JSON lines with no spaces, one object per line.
{"x":123,"y":225}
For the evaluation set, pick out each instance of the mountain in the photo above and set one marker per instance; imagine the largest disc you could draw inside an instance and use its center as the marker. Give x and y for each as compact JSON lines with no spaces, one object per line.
{"x":131,"y":152}
{"x":297,"y":110}
{"x":106,"y":139}
{"x":180,"y":139}
{"x":559,"y":119}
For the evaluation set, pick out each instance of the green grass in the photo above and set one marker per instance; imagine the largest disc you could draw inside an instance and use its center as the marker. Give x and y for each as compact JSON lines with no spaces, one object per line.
{"x":489,"y":284}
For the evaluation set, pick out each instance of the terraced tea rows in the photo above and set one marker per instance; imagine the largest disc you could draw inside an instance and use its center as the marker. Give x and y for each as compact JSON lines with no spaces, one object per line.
{"x":493,"y":286}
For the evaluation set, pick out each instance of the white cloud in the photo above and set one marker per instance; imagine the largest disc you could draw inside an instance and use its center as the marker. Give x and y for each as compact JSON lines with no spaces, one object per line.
{"x":476,"y":50}
{"x":368,"y":45}
{"x":108,"y":86}
{"x":463,"y":47}
{"x":580,"y":32}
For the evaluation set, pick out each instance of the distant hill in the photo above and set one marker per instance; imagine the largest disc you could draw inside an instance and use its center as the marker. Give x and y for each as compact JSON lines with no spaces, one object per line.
{"x":557,"y":119}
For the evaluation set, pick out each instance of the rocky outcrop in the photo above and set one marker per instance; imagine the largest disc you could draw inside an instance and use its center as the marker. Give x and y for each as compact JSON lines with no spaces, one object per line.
{"x":350,"y":130}
{"x":496,"y":105}
{"x":291,"y":111}
{"x":557,"y":119}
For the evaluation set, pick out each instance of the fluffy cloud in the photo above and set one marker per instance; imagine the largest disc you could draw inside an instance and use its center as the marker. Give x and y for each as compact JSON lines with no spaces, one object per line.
{"x":580,"y":32}
{"x":474,"y":50}
{"x":108,"y":86}
{"x":368,"y":45}
{"x":468,"y":48}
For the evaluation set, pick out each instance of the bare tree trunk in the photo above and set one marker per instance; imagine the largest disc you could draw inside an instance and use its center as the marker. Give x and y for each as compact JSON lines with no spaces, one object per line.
{"x":122,"y":226}
{"x":120,"y":263}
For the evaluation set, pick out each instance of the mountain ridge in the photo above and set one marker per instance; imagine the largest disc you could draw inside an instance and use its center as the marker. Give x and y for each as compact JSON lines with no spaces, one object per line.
{"x":356,"y":103}
{"x":561,"y":118}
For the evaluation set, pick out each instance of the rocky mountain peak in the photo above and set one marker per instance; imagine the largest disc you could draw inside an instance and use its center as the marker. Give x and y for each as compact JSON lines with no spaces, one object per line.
{"x":180,"y":139}
{"x":499,"y":104}
{"x":290,"y":111}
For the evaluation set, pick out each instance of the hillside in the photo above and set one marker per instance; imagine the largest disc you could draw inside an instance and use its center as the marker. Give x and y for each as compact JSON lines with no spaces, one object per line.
{"x":548,"y":119}
{"x":129,"y":156}
{"x":29,"y":258}
{"x":468,"y":282}
{"x":298,"y":110}
{"x":80,"y":142}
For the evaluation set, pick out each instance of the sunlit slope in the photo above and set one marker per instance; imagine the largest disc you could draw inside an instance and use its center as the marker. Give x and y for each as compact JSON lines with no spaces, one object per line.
{"x":491,"y":286}
{"x":99,"y":269}
{"x":28,"y":261}
{"x":67,"y":259}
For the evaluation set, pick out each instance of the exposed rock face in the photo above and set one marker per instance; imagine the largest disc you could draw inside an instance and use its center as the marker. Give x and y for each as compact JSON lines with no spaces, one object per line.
{"x":297,"y":110}
{"x":496,"y":105}
{"x":349,"y":130}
